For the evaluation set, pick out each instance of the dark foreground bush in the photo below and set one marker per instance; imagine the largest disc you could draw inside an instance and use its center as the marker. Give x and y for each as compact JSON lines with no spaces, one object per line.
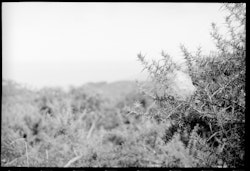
{"x":215,"y":112}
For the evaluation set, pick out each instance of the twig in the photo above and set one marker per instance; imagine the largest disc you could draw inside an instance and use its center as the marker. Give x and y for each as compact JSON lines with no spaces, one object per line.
{"x":210,"y":99}
{"x":207,"y":114}
{"x":27,"y":156}
{"x":73,"y":160}
{"x":212,"y":136}
{"x":11,"y":161}
{"x":91,"y":129}
{"x":47,"y":157}
{"x":220,"y":89}
{"x":173,"y":110}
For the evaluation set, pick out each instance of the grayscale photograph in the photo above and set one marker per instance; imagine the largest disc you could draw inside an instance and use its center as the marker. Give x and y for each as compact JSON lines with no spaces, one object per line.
{"x":121,"y":85}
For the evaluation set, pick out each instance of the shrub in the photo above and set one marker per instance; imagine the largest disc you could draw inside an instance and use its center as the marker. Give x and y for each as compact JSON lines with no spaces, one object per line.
{"x":217,"y":103}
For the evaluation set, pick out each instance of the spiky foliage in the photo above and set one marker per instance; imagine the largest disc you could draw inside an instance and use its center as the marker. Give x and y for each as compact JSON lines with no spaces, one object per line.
{"x":51,"y":128}
{"x":218,"y":105}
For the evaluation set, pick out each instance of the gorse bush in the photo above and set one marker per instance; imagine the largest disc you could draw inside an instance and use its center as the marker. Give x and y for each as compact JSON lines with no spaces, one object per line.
{"x":218,"y":101}
{"x":187,"y":115}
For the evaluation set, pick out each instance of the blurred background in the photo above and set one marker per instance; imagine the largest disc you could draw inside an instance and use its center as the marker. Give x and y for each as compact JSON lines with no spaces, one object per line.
{"x":63,"y":44}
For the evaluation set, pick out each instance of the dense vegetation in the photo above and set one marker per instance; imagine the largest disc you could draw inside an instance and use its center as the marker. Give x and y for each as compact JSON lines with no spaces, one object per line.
{"x":153,"y":126}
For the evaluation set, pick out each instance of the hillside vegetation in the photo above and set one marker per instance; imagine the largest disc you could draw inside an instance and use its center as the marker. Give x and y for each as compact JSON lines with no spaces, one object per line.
{"x":182,"y":117}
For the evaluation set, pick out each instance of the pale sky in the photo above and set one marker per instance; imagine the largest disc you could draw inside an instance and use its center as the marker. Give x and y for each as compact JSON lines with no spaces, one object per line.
{"x":61,"y":44}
